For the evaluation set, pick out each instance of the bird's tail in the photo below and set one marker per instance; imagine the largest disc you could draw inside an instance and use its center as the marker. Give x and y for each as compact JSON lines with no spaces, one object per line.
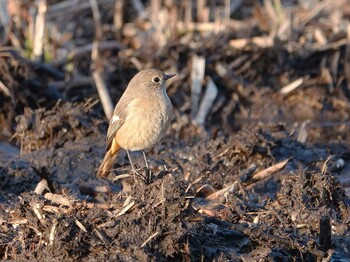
{"x":108,"y":160}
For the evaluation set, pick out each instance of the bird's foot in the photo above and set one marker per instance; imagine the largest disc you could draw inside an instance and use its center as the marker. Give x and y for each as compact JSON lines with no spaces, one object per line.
{"x":145,"y":174}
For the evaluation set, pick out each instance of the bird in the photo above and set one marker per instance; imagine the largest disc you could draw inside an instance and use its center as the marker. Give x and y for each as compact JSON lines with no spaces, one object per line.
{"x":140,"y":118}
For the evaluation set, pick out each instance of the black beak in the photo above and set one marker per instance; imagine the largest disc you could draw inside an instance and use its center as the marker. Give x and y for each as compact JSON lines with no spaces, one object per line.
{"x":166,"y":77}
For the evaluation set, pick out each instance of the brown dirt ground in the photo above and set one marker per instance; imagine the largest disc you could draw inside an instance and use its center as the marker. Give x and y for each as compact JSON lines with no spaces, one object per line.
{"x":241,"y":188}
{"x":173,"y":217}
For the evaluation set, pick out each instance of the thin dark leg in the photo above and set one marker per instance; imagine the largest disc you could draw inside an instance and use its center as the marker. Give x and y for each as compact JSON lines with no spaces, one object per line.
{"x":133,"y":167}
{"x":131,"y":163}
{"x":148,"y":170}
{"x":145,"y":158}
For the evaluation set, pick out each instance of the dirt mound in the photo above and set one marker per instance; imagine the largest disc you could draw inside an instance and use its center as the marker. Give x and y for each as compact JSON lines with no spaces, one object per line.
{"x":41,"y":128}
{"x":167,"y":221}
{"x":179,"y":216}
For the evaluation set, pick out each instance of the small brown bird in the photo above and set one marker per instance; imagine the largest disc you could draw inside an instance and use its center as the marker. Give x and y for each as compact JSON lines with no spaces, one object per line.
{"x":140,"y":118}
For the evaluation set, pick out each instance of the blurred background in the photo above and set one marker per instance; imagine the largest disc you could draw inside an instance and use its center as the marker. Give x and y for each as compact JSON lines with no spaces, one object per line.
{"x":239,"y":63}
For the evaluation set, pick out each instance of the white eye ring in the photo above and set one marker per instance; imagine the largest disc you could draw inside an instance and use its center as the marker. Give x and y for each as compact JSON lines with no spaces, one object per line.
{"x":156,"y":79}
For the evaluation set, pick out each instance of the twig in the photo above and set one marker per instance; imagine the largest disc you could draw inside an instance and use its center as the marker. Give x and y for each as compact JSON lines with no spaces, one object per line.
{"x":197,"y":180}
{"x":58,"y":199}
{"x":320,"y":36}
{"x":52,"y":233}
{"x":155,"y":7}
{"x":266,"y":172}
{"x":39,"y":30}
{"x":127,"y":201}
{"x":96,"y":64}
{"x":223,"y":192}
{"x":121,"y":177}
{"x":260,"y":41}
{"x":37,"y":231}
{"x":234,"y":25}
{"x":41,"y":186}
{"x":92,"y":205}
{"x":272,"y":17}
{"x":104,"y":94}
{"x":149,"y":239}
{"x":4,"y":89}
{"x":37,"y":213}
{"x":314,"y":12}
{"x":293,"y":85}
{"x":227,"y":11}
{"x":347,"y":64}
{"x":334,"y":65}
{"x":54,"y":209}
{"x":16,"y":222}
{"x":109,"y":223}
{"x":36,"y":209}
{"x":329,"y":46}
{"x":303,"y":132}
{"x":187,"y":5}
{"x":200,"y":11}
{"x":102,"y":236}
{"x":210,"y":94}
{"x":197,"y":75}
{"x":80,"y":225}
{"x":125,"y":209}
{"x":325,"y":165}
{"x":326,"y":76}
{"x":206,"y":211}
{"x":118,"y":18}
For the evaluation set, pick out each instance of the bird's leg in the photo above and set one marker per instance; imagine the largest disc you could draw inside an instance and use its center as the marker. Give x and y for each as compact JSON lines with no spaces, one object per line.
{"x":145,"y":158}
{"x":133,"y":167}
{"x":146,"y":162}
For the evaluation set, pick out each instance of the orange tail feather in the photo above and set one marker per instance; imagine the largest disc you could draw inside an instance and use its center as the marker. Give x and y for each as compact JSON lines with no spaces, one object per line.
{"x":108,"y":160}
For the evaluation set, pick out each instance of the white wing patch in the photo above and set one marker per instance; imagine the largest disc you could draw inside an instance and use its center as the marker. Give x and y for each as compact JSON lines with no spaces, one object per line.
{"x":115,"y":118}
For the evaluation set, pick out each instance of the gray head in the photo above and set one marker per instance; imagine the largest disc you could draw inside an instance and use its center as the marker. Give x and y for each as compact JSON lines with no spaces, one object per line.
{"x":152,"y":79}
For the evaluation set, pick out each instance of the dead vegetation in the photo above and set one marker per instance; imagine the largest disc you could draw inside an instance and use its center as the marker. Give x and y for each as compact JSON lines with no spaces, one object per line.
{"x":254,"y":166}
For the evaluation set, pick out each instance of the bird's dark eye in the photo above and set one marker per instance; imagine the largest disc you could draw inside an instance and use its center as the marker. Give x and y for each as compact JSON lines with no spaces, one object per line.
{"x":156,"y":79}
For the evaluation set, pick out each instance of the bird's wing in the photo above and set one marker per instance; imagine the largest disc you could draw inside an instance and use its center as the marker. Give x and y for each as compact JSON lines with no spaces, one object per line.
{"x":118,"y":118}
